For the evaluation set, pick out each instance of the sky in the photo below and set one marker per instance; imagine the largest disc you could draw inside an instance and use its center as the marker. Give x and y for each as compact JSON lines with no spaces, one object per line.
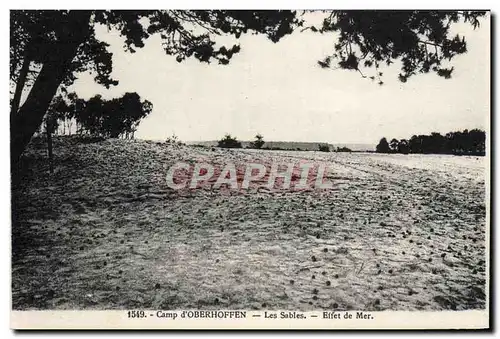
{"x":279,"y":91}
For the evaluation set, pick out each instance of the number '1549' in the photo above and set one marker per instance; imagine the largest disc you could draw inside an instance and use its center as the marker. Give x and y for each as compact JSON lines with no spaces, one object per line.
{"x":136,"y":314}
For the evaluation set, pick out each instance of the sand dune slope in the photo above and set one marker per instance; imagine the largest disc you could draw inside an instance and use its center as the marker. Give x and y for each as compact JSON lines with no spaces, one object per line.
{"x":106,"y":232}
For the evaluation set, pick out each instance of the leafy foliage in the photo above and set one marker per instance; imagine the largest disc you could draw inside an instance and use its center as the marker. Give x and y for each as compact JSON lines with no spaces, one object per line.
{"x":39,"y":36}
{"x":421,"y":40}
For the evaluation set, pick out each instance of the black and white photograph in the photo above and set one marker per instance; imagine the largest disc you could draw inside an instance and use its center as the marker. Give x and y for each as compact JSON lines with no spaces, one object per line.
{"x":262,"y":168}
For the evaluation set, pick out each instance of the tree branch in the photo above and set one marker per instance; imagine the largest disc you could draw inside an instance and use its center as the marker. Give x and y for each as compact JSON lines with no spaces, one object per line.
{"x":430,"y":43}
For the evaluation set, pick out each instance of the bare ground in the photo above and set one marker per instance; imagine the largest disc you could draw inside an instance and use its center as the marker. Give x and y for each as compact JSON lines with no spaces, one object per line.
{"x":105,"y":232}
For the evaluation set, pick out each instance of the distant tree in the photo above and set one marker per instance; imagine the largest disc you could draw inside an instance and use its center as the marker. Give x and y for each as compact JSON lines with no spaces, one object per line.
{"x":478,"y":141}
{"x":403,"y":146}
{"x":258,"y":143}
{"x":393,"y":145}
{"x":324,"y":148}
{"x":415,"y":144}
{"x":58,"y":113}
{"x":383,"y":146}
{"x":229,"y":142}
{"x":122,"y":115}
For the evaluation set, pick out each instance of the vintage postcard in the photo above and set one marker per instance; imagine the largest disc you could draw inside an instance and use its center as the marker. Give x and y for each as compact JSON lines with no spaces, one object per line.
{"x":250,"y":169}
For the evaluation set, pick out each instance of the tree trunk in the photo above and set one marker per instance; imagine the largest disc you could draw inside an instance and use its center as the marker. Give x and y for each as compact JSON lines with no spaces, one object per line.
{"x":23,"y":73}
{"x":49,"y":129}
{"x":30,"y":116}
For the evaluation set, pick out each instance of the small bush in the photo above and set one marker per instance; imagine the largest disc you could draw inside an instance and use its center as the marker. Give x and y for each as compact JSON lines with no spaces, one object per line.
{"x":258,"y":143}
{"x":174,"y":140}
{"x":229,"y":142}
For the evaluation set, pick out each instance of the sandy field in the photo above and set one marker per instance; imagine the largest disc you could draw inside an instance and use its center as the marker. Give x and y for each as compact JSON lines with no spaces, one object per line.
{"x":104,"y":231}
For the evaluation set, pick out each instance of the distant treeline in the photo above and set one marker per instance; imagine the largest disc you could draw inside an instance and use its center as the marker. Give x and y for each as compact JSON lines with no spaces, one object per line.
{"x":471,"y":142}
{"x":230,"y":141}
